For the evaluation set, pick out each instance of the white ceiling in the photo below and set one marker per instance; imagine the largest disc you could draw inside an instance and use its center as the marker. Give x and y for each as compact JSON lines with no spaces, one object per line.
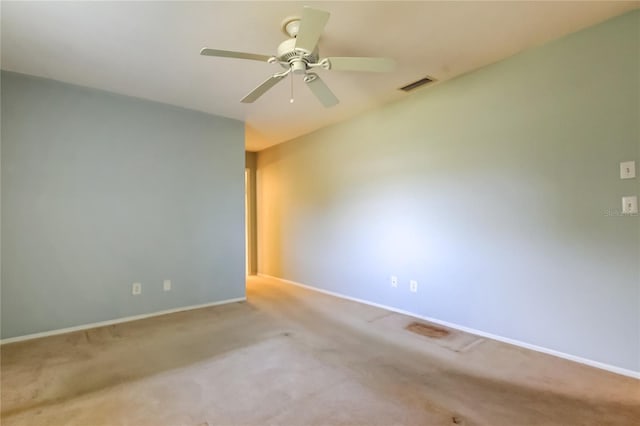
{"x":150,"y":50}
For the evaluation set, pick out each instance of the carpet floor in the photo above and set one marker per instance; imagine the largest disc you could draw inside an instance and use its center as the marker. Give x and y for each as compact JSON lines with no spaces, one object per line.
{"x":290,"y":356}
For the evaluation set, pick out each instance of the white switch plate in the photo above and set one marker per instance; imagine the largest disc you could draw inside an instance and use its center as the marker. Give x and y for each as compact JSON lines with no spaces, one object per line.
{"x":627,"y":170}
{"x":630,"y":205}
{"x":394,"y":281}
{"x":166,"y":285}
{"x":413,"y":286}
{"x":136,"y":289}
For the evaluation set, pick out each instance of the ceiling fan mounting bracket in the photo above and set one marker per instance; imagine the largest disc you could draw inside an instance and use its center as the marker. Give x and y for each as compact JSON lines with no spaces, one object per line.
{"x":291,"y":26}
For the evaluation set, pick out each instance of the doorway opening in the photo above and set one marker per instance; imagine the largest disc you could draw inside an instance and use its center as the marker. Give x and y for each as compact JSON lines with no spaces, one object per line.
{"x":250,"y":219}
{"x":247,"y":220}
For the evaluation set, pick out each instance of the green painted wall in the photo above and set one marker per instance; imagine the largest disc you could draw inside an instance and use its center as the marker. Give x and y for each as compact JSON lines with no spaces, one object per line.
{"x":100,"y":191}
{"x":498,"y":191}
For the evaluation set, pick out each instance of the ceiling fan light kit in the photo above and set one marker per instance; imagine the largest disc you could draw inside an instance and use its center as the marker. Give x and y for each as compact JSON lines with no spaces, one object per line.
{"x":299,"y":55}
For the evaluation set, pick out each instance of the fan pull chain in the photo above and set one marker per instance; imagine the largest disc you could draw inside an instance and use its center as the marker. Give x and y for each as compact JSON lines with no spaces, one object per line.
{"x":291,"y":100}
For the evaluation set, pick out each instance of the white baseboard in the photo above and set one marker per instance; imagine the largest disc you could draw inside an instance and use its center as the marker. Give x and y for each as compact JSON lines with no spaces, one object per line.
{"x":589,"y":362}
{"x":116,"y":321}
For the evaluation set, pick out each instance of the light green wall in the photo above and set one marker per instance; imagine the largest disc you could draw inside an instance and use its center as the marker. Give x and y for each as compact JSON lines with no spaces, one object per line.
{"x":497,"y":191}
{"x":100,"y":191}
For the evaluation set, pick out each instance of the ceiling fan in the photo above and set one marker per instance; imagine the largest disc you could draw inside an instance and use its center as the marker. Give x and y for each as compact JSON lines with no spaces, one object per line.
{"x":299,"y":55}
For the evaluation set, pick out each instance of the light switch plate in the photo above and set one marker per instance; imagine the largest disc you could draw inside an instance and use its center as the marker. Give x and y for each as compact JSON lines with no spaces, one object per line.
{"x":627,"y":170}
{"x":630,"y":205}
{"x":166,"y":285}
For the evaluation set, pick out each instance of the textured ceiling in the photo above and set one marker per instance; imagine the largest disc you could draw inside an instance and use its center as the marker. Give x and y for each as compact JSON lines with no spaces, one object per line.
{"x":150,"y":50}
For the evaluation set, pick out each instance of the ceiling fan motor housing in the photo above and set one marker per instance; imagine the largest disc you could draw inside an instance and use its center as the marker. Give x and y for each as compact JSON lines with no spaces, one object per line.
{"x":295,"y":58}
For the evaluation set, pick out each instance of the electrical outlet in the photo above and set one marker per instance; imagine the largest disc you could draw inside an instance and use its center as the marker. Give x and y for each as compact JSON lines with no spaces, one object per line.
{"x":394,"y":281}
{"x":166,"y":285}
{"x":413,"y":286}
{"x":136,"y":289}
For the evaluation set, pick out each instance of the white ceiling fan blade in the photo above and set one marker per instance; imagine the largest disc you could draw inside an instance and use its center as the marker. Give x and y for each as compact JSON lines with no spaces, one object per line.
{"x":262,"y":89}
{"x":311,"y":25}
{"x":229,"y":54}
{"x":362,"y":64}
{"x":321,"y":90}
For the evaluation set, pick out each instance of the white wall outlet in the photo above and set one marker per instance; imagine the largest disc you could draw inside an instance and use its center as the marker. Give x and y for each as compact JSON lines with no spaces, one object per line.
{"x":627,"y":170}
{"x":166,"y":285}
{"x":394,"y":281}
{"x":136,"y":289}
{"x":413,"y":286}
{"x":630,"y":205}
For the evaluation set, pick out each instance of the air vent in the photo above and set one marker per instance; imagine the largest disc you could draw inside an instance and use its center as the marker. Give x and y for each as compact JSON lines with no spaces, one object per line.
{"x":412,"y":86}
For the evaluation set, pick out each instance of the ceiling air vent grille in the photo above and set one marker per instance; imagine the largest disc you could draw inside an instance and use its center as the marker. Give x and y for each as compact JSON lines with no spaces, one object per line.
{"x":412,"y":86}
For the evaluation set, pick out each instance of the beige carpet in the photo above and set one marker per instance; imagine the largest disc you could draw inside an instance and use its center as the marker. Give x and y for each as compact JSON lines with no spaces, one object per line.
{"x":290,"y":356}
